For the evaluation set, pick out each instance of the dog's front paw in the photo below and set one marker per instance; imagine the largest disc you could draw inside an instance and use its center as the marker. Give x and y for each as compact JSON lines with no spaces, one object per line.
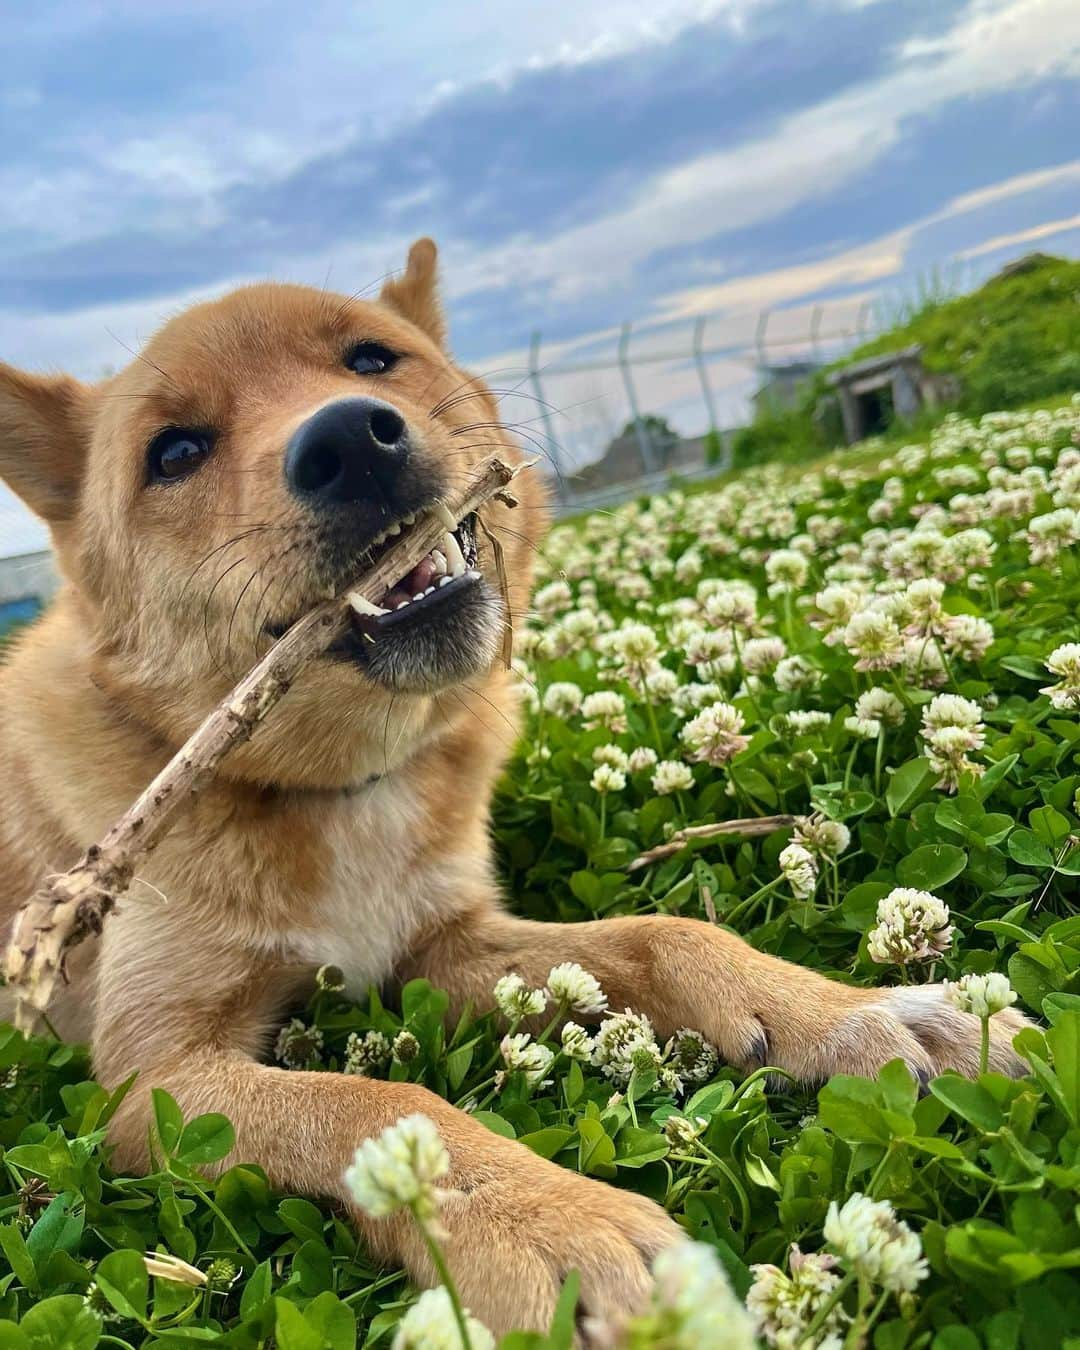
{"x":515,"y":1225}
{"x":920,"y":1025}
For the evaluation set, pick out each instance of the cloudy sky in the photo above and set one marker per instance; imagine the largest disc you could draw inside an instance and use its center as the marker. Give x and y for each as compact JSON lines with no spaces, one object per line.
{"x":579,"y":163}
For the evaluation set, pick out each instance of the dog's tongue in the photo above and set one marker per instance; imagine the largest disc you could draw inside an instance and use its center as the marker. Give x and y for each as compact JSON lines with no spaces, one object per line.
{"x":419,"y":579}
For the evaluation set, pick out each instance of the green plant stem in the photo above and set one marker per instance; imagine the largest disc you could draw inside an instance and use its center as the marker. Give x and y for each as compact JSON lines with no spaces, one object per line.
{"x":438,"y":1260}
{"x":984,"y":1044}
{"x":822,"y":1314}
{"x":218,"y":1213}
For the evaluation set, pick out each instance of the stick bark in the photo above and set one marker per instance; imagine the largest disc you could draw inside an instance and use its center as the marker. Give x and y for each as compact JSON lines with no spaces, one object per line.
{"x":73,"y":905}
{"x":748,"y":829}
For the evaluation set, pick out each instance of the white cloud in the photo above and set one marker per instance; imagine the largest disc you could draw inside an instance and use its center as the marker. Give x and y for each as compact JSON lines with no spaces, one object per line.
{"x":1029,"y":236}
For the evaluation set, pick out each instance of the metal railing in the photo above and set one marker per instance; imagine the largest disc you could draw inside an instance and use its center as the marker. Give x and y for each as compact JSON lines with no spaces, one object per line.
{"x":814,"y":344}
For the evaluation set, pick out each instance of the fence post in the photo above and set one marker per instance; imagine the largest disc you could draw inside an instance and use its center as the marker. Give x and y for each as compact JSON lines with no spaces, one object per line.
{"x":706,"y":390}
{"x":645,"y":445}
{"x":561,"y":485}
{"x":815,"y":329}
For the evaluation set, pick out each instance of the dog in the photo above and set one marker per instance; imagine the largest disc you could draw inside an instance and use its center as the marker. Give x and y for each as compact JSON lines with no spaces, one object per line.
{"x":251,"y":461}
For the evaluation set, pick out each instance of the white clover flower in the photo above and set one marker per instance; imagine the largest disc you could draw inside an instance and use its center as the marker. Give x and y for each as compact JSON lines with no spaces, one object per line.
{"x":863,"y":728}
{"x":298,"y":1044}
{"x":968,"y":637}
{"x":827,"y":838}
{"x":521,"y":1052}
{"x":430,"y":1324}
{"x":1064,"y":661}
{"x":661,"y":683}
{"x":783,"y":1307}
{"x":713,"y":736}
{"x":691,"y":1056}
{"x":605,"y":779}
{"x":693,"y":1305}
{"x":799,"y":868}
{"x":836,"y":607}
{"x":642,"y":758}
{"x":576,"y":1042}
{"x":672,"y":776}
{"x":982,"y":995}
{"x":624,"y":1041}
{"x":562,"y":699}
{"x":613,"y":755}
{"x":922,"y":603}
{"x":880,"y":705}
{"x":911,"y":926}
{"x":1048,"y":535}
{"x":952,"y":727}
{"x":572,"y":987}
{"x":805,"y":722}
{"x":786,"y":571}
{"x":923,"y":664}
{"x":516,"y":1000}
{"x":681,"y":1132}
{"x":366,"y":1053}
{"x":874,"y":639}
{"x":399,"y":1169}
{"x":636,"y":643}
{"x":868,"y":1237}
{"x":761,"y":655}
{"x":794,"y":673}
{"x":604,"y":709}
{"x":551,"y":599}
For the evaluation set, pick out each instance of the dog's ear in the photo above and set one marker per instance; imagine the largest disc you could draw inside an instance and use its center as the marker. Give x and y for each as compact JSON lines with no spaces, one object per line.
{"x":44,"y":429}
{"x":415,"y":294}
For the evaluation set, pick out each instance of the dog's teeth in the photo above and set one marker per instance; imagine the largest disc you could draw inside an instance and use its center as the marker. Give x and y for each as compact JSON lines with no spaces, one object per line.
{"x":445,"y":581}
{"x":363,"y":605}
{"x":439,"y":559}
{"x":393,"y":529}
{"x":454,"y":556}
{"x":408,"y":520}
{"x":430,"y":591}
{"x":401,"y":604}
{"x":441,"y":512}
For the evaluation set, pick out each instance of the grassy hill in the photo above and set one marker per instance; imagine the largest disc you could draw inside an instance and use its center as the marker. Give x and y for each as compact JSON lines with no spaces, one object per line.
{"x":1014,"y":340}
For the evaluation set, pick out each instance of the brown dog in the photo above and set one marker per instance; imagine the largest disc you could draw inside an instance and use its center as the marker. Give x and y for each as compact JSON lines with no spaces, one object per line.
{"x":239,"y":471}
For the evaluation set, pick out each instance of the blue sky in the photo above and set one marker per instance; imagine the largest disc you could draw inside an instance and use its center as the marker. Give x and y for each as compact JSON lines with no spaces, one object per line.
{"x":578,"y":163}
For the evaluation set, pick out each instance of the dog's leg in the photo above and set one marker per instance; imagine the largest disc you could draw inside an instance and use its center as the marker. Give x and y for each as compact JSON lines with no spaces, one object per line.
{"x":192,"y":1021}
{"x":755,"y":1008}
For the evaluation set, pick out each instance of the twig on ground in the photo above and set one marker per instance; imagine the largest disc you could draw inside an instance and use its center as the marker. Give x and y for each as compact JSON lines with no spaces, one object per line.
{"x":72,"y":905}
{"x":748,"y":828}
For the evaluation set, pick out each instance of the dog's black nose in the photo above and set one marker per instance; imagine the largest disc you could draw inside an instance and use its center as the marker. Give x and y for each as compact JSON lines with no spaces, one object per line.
{"x":352,"y":450}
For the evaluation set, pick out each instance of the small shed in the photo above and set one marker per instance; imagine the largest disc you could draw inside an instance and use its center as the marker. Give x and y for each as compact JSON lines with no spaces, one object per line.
{"x":894,"y":385}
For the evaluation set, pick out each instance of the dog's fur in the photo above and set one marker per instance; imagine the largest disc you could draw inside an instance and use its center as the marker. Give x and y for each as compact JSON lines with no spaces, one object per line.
{"x":354,"y":829}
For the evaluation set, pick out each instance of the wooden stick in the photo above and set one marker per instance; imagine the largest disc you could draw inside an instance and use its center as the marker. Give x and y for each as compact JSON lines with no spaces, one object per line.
{"x":748,"y":828}
{"x":74,"y":904}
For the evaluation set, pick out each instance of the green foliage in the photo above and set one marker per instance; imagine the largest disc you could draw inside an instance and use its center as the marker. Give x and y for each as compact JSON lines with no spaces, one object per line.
{"x":986,"y":1172}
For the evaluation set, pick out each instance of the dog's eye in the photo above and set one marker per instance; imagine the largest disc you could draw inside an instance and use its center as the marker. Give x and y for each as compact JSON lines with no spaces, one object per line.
{"x":371,"y":358}
{"x":177,"y":452}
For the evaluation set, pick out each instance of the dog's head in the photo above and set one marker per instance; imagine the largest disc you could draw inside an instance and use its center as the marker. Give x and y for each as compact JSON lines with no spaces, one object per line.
{"x":254,"y":459}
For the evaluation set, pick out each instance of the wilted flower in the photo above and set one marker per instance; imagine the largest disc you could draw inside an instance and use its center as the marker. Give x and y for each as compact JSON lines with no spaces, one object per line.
{"x":165,"y":1266}
{"x":573,"y":988}
{"x":298,"y":1044}
{"x":681,"y":1132}
{"x":911,"y":926}
{"x":691,"y":1056}
{"x":430,"y":1324}
{"x":868,"y":1237}
{"x":516,"y":1000}
{"x":330,"y":979}
{"x":799,"y":868}
{"x":399,"y":1168}
{"x":366,"y":1053}
{"x":1064,"y":661}
{"x":405,"y":1047}
{"x":982,"y":995}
